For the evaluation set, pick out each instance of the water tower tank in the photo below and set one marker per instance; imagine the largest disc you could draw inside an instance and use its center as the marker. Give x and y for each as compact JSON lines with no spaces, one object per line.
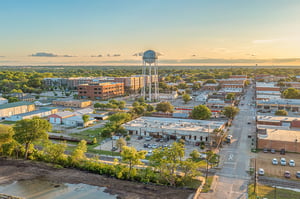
{"x":149,"y":56}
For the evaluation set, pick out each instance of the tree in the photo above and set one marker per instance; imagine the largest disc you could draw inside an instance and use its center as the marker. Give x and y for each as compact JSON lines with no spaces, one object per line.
{"x":201,"y":112}
{"x":230,"y":111}
{"x":55,"y":152}
{"x":210,"y":81}
{"x":281,"y":112}
{"x":230,"y":96}
{"x":195,"y":154}
{"x":186,"y":98}
{"x":211,"y":158}
{"x":120,"y":143}
{"x":149,"y":108}
{"x":165,"y":107}
{"x":135,"y":104}
{"x":6,"y":135}
{"x":79,"y":152}
{"x":85,"y":118}
{"x":196,"y":86}
{"x":291,"y":93}
{"x":29,"y":130}
{"x":120,"y":118}
{"x":132,"y":157}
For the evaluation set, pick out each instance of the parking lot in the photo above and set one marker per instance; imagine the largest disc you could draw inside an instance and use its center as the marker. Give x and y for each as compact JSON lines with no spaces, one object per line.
{"x":154,"y":143}
{"x":264,"y":160}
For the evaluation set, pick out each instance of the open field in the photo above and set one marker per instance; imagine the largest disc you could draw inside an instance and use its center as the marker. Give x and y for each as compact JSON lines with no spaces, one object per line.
{"x":264,"y":160}
{"x":270,"y":192}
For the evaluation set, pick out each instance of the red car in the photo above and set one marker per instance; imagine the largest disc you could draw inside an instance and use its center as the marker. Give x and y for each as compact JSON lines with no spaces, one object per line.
{"x":287,"y":174}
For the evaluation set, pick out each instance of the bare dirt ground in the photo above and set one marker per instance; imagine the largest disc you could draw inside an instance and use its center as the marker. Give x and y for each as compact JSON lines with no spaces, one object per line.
{"x":264,"y":160}
{"x":15,"y":170}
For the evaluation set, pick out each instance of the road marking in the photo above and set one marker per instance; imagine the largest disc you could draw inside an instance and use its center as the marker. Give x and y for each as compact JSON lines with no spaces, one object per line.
{"x":230,"y":157}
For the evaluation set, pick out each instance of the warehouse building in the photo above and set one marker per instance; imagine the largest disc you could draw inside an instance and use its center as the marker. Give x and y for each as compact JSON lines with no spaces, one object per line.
{"x":7,"y":110}
{"x":190,"y":130}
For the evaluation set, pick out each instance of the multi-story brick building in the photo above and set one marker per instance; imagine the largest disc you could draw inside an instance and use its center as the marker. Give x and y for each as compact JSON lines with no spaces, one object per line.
{"x":103,"y":90}
{"x":7,"y":110}
{"x":131,"y":84}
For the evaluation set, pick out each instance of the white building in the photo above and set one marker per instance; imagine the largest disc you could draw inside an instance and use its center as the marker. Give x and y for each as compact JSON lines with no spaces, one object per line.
{"x":173,"y":128}
{"x":3,"y":100}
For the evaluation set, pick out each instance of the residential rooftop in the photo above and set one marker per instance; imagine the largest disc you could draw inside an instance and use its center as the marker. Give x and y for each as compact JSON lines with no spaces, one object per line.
{"x":266,"y":84}
{"x":276,"y":118}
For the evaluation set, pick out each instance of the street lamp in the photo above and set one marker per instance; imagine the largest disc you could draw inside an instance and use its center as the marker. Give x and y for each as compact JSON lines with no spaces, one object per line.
{"x":112,"y":142}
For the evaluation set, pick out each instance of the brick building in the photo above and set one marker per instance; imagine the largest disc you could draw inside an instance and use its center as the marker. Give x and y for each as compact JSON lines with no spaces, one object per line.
{"x":99,"y":91}
{"x":279,"y":139}
{"x":212,"y":87}
{"x":131,"y":84}
{"x":291,"y":122}
{"x":270,"y":86}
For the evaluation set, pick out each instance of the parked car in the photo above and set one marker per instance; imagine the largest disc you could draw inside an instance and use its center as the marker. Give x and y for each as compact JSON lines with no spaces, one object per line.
{"x":275,"y":161}
{"x":261,"y":172}
{"x":282,"y":152}
{"x":114,"y":148}
{"x":249,"y":122}
{"x":148,"y":138}
{"x":146,"y":145}
{"x":283,"y":161}
{"x":149,"y":153}
{"x":292,"y":163}
{"x":165,"y":145}
{"x":157,"y":140}
{"x":140,"y":137}
{"x":298,"y":174}
{"x":287,"y":174}
{"x":273,"y":151}
{"x":154,"y":146}
{"x":265,"y":150}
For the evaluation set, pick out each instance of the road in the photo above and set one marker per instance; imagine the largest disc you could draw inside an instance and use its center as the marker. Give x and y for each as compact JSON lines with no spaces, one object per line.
{"x":232,"y":177}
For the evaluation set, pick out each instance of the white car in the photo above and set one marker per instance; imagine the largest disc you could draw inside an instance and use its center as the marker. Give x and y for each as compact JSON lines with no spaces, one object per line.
{"x":283,"y":161}
{"x":154,"y":146}
{"x":275,"y":161}
{"x":261,"y":171}
{"x":292,"y":163}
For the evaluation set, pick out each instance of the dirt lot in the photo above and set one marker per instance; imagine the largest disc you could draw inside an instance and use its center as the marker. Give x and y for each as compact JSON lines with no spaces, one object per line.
{"x":264,"y":160}
{"x":15,"y":170}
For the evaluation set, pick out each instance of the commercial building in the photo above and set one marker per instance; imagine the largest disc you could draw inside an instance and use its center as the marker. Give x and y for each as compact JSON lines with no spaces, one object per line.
{"x":269,"y":78}
{"x":173,"y":128}
{"x":236,"y":91}
{"x":267,"y":97}
{"x":279,"y":139}
{"x":270,"y":86}
{"x":131,"y":84}
{"x":7,"y":110}
{"x":277,"y":104}
{"x":99,"y":91}
{"x":291,"y":122}
{"x":211,"y":87}
{"x":216,"y":105}
{"x":77,"y":121}
{"x":58,"y":118}
{"x":42,"y":112}
{"x":73,"y":103}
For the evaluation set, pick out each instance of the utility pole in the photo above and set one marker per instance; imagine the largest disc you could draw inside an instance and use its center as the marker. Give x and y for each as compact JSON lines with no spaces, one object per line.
{"x":255,"y":177}
{"x":275,"y":192}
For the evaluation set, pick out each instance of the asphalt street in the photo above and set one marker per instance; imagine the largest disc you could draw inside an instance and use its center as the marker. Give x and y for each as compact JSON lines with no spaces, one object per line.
{"x":232,"y":177}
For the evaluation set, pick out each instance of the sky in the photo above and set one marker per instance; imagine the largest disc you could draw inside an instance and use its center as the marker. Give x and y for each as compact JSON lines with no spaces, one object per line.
{"x":184,"y":32}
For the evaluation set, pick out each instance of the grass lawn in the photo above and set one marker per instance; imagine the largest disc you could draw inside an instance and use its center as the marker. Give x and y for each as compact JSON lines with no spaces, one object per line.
{"x":269,"y":192}
{"x":88,"y":134}
{"x":8,"y":122}
{"x":207,"y":184}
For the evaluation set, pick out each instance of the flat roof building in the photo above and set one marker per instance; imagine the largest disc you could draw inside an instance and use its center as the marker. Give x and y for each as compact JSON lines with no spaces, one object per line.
{"x":7,"y":110}
{"x":173,"y":128}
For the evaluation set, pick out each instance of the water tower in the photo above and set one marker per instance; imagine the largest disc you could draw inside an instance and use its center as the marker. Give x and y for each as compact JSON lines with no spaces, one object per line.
{"x":150,"y":74}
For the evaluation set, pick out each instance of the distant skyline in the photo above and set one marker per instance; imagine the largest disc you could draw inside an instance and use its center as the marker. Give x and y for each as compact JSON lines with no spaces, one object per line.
{"x":115,"y":32}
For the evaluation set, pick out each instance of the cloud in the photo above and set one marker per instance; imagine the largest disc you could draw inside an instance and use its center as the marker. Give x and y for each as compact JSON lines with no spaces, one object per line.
{"x":43,"y":54}
{"x":116,"y":55}
{"x":268,"y":41}
{"x":2,"y":56}
{"x":97,"y":55}
{"x":68,"y":56}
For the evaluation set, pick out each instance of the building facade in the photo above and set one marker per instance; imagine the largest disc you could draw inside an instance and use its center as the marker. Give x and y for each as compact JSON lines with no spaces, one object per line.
{"x":73,"y":103}
{"x":98,"y":91}
{"x":7,"y":110}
